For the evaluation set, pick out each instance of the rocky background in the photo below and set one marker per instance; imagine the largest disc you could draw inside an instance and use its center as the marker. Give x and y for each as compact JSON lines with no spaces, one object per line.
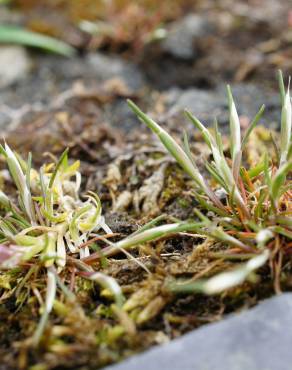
{"x":179,"y":55}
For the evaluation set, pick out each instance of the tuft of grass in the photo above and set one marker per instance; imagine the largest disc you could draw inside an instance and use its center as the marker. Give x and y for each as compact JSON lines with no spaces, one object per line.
{"x":49,"y":225}
{"x":17,"y":35}
{"x":255,"y":217}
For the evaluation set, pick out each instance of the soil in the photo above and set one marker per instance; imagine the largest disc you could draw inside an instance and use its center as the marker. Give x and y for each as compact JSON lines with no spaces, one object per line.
{"x":80,"y":103}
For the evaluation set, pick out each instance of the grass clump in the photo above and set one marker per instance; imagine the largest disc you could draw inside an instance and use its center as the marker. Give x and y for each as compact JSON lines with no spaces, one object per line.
{"x":49,"y":226}
{"x":253,"y":218}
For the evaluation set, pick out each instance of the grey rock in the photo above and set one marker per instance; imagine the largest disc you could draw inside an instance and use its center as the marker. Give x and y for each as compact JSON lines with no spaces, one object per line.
{"x":14,"y":65}
{"x":258,"y":339}
{"x":120,"y":116}
{"x":249,"y":98}
{"x":208,"y":104}
{"x":67,"y":69}
{"x":51,"y":75}
{"x":204,"y":104}
{"x":92,"y":68}
{"x":180,"y":39}
{"x":107,"y":67}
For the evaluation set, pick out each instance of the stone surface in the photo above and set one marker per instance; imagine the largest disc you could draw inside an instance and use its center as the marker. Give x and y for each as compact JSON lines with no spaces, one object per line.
{"x":208,"y":104}
{"x":51,"y":75}
{"x":258,"y":339}
{"x":180,"y":39}
{"x":14,"y":65}
{"x":107,"y":67}
{"x":202,"y":103}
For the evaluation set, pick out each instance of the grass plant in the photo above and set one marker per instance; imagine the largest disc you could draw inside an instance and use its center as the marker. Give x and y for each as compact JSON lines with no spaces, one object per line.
{"x":254,"y":217}
{"x":49,"y":225}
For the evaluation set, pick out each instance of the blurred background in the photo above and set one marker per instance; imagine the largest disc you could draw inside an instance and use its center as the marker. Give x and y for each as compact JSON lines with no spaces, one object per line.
{"x":168,"y":55}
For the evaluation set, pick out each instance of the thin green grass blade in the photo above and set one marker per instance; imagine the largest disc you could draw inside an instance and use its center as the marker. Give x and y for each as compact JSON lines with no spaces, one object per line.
{"x":188,"y":149}
{"x":150,"y":235}
{"x":171,"y":145}
{"x":276,"y":149}
{"x":210,"y":207}
{"x":214,"y":173}
{"x":18,"y":35}
{"x":252,"y":125}
{"x":281,"y":86}
{"x":3,"y":151}
{"x":223,"y":281}
{"x":150,"y":224}
{"x":218,"y":138}
{"x":279,"y":179}
{"x":286,"y":127}
{"x":257,"y":170}
{"x":61,"y":160}
{"x":28,"y":169}
{"x":205,"y":133}
{"x":235,"y":136}
{"x":258,"y":212}
{"x":285,"y":232}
